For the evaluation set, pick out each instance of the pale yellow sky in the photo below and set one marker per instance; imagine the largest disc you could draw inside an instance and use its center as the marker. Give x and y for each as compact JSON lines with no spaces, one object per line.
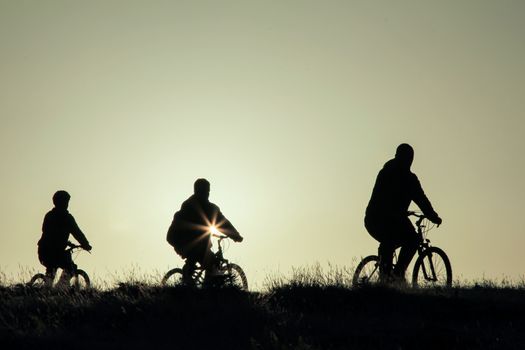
{"x":289,"y":108}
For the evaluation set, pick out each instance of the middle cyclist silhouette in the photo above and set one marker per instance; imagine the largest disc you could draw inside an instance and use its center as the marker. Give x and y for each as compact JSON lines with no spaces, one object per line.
{"x":386,"y":215}
{"x":190,"y":229}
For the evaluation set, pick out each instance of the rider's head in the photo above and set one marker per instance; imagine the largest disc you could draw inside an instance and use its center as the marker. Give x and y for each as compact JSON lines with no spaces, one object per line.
{"x":61,"y":199}
{"x":201,"y":188}
{"x":405,"y":154}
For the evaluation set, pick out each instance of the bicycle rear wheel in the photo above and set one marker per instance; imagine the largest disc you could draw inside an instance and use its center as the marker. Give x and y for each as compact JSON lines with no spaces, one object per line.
{"x":80,"y":280}
{"x":175,"y":277}
{"x":367,"y":272}
{"x":237,"y":277}
{"x":172,"y":278}
{"x":432,"y":269}
{"x":39,"y":280}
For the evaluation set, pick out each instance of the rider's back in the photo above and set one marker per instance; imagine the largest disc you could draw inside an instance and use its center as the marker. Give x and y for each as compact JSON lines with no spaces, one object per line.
{"x":395,"y":187}
{"x":192,"y":220}
{"x":189,"y":232}
{"x":57,"y":226}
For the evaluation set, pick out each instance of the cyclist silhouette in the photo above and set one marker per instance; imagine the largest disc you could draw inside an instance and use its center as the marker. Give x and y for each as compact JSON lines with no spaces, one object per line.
{"x":386,"y":214}
{"x":189,"y":232}
{"x":58,"y":224}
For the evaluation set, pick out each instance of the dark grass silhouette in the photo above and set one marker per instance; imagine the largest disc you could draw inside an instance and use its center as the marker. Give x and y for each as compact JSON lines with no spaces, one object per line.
{"x":286,"y":316}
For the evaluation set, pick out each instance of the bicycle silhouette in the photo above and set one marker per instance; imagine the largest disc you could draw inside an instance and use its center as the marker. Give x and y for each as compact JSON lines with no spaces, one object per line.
{"x":193,"y":274}
{"x":431,"y":269}
{"x":79,"y":279}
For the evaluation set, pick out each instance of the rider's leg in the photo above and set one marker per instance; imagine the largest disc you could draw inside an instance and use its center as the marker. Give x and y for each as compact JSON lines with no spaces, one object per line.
{"x":68,"y":268}
{"x":409,"y":242}
{"x":50,"y":275}
{"x":49,"y":261}
{"x":200,"y":252}
{"x":379,"y":229}
{"x":386,"y":254}
{"x":188,"y":269}
{"x":210,"y":263}
{"x":50,"y":272}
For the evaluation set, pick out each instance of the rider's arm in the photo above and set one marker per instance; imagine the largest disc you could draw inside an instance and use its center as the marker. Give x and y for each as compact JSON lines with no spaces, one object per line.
{"x":419,"y":197}
{"x":78,"y":234}
{"x":227,"y":228}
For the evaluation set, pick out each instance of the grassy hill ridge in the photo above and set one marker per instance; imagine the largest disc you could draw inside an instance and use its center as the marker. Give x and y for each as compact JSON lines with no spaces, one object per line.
{"x":285,"y":317}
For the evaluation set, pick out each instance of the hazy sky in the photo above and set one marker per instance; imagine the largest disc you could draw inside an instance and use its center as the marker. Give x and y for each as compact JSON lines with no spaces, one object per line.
{"x":289,"y":108}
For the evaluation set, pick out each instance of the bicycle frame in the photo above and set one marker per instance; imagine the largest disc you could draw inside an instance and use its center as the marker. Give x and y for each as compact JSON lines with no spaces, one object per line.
{"x":432,"y":266}
{"x":224,"y":274}
{"x":49,"y":277}
{"x":221,"y":260}
{"x":70,"y":249}
{"x":219,"y":254}
{"x":424,"y":243}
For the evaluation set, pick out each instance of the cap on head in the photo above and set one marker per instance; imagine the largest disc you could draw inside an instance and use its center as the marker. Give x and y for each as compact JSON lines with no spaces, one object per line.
{"x":405,"y":154}
{"x":201,"y":187}
{"x":61,"y":198}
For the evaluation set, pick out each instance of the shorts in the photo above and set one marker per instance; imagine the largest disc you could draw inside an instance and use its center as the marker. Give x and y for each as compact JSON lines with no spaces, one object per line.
{"x":192,"y":246}
{"x":394,"y":231}
{"x":53,"y":259}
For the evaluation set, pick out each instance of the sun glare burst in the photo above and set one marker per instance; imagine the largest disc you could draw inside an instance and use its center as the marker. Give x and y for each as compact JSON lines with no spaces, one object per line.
{"x":214,"y":230}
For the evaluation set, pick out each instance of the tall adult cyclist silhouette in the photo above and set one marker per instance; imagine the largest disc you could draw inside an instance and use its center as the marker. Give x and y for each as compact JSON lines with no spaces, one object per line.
{"x":58,"y":224}
{"x":189,"y":232}
{"x":386,"y":214}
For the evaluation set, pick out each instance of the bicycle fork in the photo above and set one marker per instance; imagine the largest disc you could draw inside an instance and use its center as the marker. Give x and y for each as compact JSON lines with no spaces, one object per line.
{"x":432,"y":276}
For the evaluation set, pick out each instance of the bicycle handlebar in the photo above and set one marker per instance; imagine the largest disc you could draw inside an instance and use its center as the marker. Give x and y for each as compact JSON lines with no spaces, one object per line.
{"x":223,"y":236}
{"x":73,"y":246}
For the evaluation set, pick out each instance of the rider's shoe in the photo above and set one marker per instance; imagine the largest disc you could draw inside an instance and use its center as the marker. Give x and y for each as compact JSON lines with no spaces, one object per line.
{"x":216,"y":271}
{"x":399,"y":282}
{"x":385,"y":278}
{"x":393,"y":280}
{"x":215,"y":277}
{"x":187,"y":273}
{"x":63,"y":281}
{"x":216,"y":281}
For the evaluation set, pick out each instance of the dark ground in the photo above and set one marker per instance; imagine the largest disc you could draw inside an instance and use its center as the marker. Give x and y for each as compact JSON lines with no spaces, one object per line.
{"x":287,"y":317}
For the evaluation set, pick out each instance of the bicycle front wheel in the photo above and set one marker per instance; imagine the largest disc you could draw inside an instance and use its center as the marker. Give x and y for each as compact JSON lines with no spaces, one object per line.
{"x":367,"y":272}
{"x":80,"y":280}
{"x":432,"y":269}
{"x":237,"y":277}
